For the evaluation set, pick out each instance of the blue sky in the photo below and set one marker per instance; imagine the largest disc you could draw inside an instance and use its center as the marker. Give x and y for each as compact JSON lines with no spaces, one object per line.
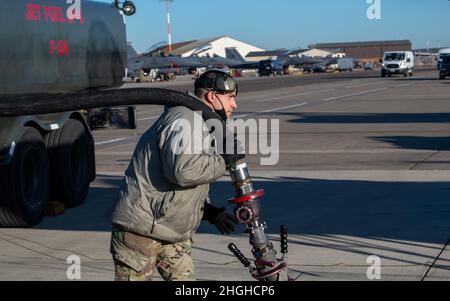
{"x":273,"y":24}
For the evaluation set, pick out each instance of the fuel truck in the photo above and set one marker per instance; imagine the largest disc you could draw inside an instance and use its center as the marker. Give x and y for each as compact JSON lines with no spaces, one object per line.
{"x":53,"y":47}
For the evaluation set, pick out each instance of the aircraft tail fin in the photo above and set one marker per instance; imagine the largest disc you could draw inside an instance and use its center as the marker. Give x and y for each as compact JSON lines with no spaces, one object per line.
{"x":131,"y":52}
{"x":232,"y":53}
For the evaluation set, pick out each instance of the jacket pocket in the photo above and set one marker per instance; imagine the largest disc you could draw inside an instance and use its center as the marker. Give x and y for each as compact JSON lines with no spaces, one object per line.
{"x":163,"y":205}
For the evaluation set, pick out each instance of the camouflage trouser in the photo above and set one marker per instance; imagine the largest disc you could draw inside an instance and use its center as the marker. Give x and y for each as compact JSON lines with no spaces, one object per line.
{"x":136,"y":257}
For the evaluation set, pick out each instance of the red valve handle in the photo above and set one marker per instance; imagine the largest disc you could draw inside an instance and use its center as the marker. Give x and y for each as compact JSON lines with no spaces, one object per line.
{"x":247,"y":198}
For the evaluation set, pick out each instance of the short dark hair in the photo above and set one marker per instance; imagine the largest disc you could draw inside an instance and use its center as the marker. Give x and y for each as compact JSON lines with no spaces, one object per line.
{"x":200,"y":92}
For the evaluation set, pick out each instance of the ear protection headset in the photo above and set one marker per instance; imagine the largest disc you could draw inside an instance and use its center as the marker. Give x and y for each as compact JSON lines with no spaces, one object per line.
{"x":217,"y":81}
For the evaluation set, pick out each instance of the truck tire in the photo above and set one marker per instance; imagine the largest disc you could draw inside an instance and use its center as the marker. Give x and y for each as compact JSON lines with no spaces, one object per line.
{"x":383,"y":73}
{"x":25,"y":183}
{"x":71,"y":159}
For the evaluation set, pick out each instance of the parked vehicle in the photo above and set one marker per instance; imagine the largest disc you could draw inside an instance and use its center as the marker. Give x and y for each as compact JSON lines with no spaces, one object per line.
{"x":444,"y":70}
{"x":368,"y":66}
{"x":397,"y":62}
{"x":345,"y":64}
{"x":442,"y":53}
{"x":308,"y":68}
{"x":332,"y":65}
{"x":270,"y":67}
{"x":320,"y":67}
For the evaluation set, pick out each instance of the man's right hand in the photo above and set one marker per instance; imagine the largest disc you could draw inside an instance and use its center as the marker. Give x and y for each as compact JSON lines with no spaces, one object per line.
{"x":231,"y":160}
{"x":237,"y":153}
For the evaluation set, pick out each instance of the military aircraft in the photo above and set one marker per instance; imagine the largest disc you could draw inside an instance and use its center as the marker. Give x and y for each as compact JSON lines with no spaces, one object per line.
{"x":233,"y":59}
{"x":137,"y":62}
{"x":215,"y":61}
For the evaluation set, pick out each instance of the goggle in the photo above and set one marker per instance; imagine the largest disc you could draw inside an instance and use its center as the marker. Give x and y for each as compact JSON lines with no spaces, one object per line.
{"x":217,"y":81}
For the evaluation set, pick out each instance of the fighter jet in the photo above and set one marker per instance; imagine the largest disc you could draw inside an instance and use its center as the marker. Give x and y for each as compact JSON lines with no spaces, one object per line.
{"x":299,"y":61}
{"x":233,"y":60}
{"x":216,"y":61}
{"x":137,"y":62}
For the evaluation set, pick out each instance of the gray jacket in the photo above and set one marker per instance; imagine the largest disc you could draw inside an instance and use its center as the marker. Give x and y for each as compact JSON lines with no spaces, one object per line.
{"x":164,"y":189}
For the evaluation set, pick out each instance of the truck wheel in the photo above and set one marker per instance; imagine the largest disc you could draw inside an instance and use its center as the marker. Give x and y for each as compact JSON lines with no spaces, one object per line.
{"x":71,"y":159}
{"x":383,"y":73}
{"x":25,"y":183}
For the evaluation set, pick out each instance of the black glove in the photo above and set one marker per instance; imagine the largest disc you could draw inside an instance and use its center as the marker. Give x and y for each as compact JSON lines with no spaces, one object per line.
{"x":237,"y":153}
{"x":231,"y":160}
{"x":217,"y":216}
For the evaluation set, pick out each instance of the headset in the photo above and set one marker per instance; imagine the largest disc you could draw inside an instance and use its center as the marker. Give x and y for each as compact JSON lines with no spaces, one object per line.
{"x":217,"y":81}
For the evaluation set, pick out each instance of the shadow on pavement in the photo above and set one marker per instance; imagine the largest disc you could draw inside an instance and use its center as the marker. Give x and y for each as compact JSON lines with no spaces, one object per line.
{"x":417,"y":143}
{"x":411,"y":211}
{"x":365,"y":118}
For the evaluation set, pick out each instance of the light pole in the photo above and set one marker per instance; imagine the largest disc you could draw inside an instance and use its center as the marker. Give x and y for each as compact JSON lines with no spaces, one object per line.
{"x":169,"y":28}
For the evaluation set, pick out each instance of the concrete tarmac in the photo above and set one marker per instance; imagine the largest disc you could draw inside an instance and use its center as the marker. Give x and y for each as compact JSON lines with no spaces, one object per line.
{"x":363,"y":171}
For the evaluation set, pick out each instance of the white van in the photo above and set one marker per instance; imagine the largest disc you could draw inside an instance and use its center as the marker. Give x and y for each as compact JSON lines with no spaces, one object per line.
{"x":442,"y":52}
{"x":398,"y":62}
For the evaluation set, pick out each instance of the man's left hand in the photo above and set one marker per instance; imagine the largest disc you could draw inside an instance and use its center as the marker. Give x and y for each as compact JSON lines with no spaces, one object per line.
{"x":219,"y":217}
{"x":224,"y":222}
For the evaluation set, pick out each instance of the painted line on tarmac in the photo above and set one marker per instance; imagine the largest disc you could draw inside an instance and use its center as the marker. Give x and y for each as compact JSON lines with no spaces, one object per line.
{"x":118,"y":140}
{"x":273,"y":110}
{"x":331,"y":87}
{"x":311,"y":87}
{"x":146,"y":112}
{"x":110,"y":141}
{"x":294,"y":95}
{"x":362,"y":85}
{"x":113,"y":153}
{"x":351,"y":151}
{"x":372,"y":91}
{"x":355,"y":94}
{"x":148,"y":118}
{"x":410,"y":84}
{"x":110,"y":173}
